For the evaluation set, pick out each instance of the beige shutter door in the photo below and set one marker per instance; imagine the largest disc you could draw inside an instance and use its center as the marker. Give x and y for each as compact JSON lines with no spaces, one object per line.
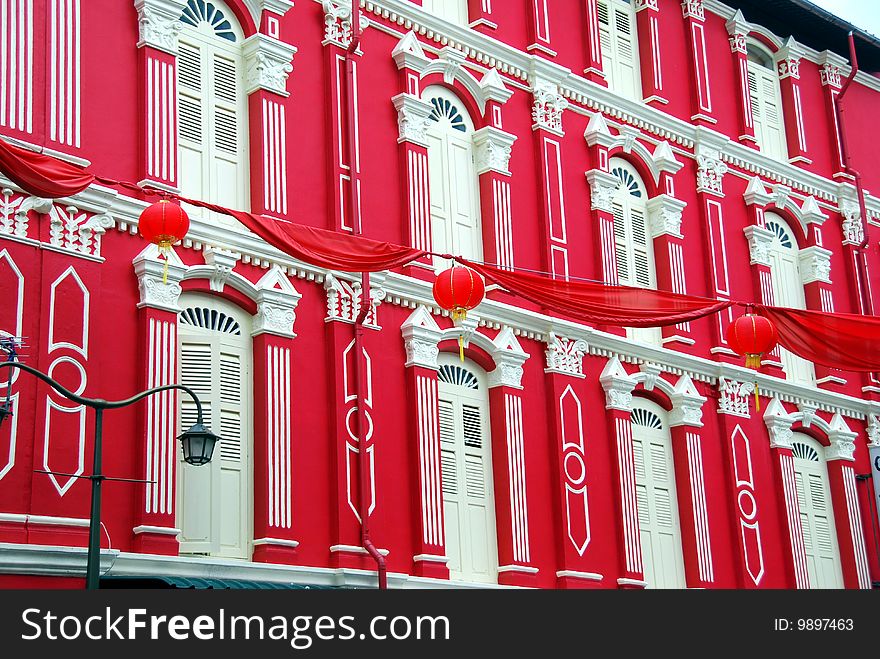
{"x":441,"y":195}
{"x":656,"y":499}
{"x":606,"y":42}
{"x":626,"y":74}
{"x":193,"y":148}
{"x":767,"y":111}
{"x":621,"y":245}
{"x":817,"y":518}
{"x":215,"y":500}
{"x":466,"y":472}
{"x":229,"y":138}
{"x":454,"y":11}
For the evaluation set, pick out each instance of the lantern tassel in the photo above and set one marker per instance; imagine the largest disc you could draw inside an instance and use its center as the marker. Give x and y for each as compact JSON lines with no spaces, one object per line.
{"x":461,"y":347}
{"x":757,"y":398}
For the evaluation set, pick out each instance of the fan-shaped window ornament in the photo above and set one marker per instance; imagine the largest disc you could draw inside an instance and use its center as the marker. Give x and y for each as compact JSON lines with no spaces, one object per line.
{"x":201,"y":11}
{"x":210,"y":319}
{"x":628,"y":182}
{"x":458,"y":376}
{"x":445,"y":109}
{"x":646,"y":419}
{"x":804,"y":452}
{"x":783,"y":236}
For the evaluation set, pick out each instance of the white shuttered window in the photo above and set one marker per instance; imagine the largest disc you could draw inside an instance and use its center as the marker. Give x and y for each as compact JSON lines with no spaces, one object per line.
{"x":617,"y":38}
{"x":452,"y":177}
{"x":656,"y":497}
{"x":212,"y":107}
{"x":454,"y":11}
{"x":817,"y":516}
{"x":766,"y":102}
{"x":214,"y":500}
{"x":466,"y":472}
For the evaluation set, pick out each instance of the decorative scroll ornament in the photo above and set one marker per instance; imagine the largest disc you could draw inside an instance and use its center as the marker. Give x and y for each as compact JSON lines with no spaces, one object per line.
{"x":853,"y":233}
{"x":602,"y":188}
{"x":548,"y":107}
{"x":565,"y":356}
{"x":337,"y":23}
{"x":413,"y":118}
{"x":710,"y":171}
{"x":829,"y":74}
{"x":760,"y":241}
{"x":268,"y":64}
{"x":693,"y":9}
{"x":492,"y":150}
{"x":344,"y":300}
{"x":734,"y":399}
{"x":814,"y":264}
{"x":158,"y":26}
{"x":738,"y":43}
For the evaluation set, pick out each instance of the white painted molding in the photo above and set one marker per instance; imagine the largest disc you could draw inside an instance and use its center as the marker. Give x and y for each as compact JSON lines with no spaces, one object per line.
{"x":618,"y":386}
{"x":492,"y":150}
{"x":586,"y":576}
{"x":159,"y":23}
{"x":276,"y":542}
{"x":664,"y":215}
{"x":156,"y":530}
{"x":149,"y":269}
{"x":413,"y":118}
{"x":276,"y":299}
{"x":267,"y":62}
{"x":421,"y":334}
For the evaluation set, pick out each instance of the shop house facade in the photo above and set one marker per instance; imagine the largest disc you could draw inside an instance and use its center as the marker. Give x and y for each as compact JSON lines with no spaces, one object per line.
{"x":651,"y":143}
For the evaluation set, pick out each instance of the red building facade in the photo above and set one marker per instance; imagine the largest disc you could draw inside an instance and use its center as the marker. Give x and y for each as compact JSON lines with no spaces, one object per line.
{"x":651,"y":143}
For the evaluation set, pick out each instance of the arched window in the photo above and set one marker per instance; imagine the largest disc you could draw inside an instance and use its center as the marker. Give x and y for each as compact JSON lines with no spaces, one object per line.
{"x":215,"y":500}
{"x":213,"y":135}
{"x":788,"y":288}
{"x":766,"y":102}
{"x":817,"y":515}
{"x":634,"y":249}
{"x":455,"y":206}
{"x":656,"y":497}
{"x":620,"y":52}
{"x":454,"y":11}
{"x":466,"y":471}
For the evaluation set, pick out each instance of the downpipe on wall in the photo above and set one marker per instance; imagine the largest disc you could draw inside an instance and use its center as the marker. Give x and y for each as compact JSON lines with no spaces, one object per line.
{"x":359,"y":369}
{"x":860,"y":249}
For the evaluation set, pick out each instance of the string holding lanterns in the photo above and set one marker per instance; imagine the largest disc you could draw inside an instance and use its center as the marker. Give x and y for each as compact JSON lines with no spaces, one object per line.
{"x":752,"y":336}
{"x":163,"y":223}
{"x":458,"y":290}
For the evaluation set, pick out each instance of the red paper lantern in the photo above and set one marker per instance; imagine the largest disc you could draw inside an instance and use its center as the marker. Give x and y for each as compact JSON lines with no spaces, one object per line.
{"x":163,"y":224}
{"x":752,"y":336}
{"x":458,"y":290}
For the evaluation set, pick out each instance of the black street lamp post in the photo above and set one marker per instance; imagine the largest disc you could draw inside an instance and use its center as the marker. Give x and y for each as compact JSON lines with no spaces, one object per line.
{"x":197,"y":442}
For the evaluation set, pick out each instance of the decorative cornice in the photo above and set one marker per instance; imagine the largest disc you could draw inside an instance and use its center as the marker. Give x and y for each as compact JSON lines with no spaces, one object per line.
{"x":565,"y":356}
{"x":756,"y":194}
{"x":618,"y":386}
{"x":710,"y":166}
{"x":149,"y":270}
{"x":760,"y":240}
{"x":853,"y":231}
{"x":413,"y":119}
{"x":841,"y":439}
{"x":597,"y":132}
{"x":547,"y":107}
{"x":687,"y":404}
{"x":830,"y":66}
{"x":509,"y":358}
{"x":492,"y":149}
{"x":159,"y":23}
{"x":344,"y":299}
{"x":815,"y":264}
{"x":778,"y":424}
{"x":788,"y":59}
{"x":664,"y":215}
{"x":693,"y":9}
{"x":276,"y":300}
{"x":222,"y":263}
{"x":268,"y":62}
{"x":734,"y":397}
{"x":873,"y":430}
{"x":603,"y":185}
{"x":408,"y":53}
{"x":421,"y":334}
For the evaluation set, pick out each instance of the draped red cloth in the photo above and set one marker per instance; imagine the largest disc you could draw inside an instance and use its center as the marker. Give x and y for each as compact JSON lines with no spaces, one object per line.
{"x":850,"y":342}
{"x":326,"y":249}
{"x":597,"y":303}
{"x":42,"y":175}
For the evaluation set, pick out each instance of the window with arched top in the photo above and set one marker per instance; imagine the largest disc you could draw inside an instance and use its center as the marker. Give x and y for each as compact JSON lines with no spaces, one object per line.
{"x":454,"y":11}
{"x":656,"y":497}
{"x":766,"y":101}
{"x":212,"y":107}
{"x":620,"y":52}
{"x":633,"y":245}
{"x":816,"y":511}
{"x":788,"y":288}
{"x":452,"y":176}
{"x":214,"y":501}
{"x":466,"y":470}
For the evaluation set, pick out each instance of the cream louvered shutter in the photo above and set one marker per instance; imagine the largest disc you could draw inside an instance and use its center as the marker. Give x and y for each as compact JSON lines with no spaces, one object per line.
{"x":642,"y":270}
{"x":656,"y":501}
{"x":617,"y":41}
{"x":621,"y":245}
{"x":228,"y":157}
{"x":214,"y":499}
{"x":465,"y":461}
{"x":817,"y":519}
{"x":766,"y":105}
{"x":454,"y":11}
{"x":193,"y":147}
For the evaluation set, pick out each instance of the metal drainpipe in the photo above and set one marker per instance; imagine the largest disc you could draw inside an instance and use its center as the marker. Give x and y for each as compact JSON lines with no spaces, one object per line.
{"x":844,"y":147}
{"x":359,"y":370}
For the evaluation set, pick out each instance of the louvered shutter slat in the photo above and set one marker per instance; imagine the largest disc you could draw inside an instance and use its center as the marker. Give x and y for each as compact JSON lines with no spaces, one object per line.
{"x":641,"y":259}
{"x":475,"y":476}
{"x":473,"y":433}
{"x":620,"y":244}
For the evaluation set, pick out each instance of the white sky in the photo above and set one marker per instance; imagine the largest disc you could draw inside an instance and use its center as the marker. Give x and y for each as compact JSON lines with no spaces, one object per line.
{"x":864,"y":14}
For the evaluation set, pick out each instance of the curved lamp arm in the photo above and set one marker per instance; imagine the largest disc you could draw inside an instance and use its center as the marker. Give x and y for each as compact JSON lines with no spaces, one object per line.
{"x":99,"y":403}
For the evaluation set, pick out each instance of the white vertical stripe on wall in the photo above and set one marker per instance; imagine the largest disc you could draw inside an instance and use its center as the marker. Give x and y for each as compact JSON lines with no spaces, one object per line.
{"x":631,"y":540}
{"x":792,"y":511}
{"x":517,"y":475}
{"x":161,"y":120}
{"x":827,"y":300}
{"x":503,"y":228}
{"x":701,"y":517}
{"x":278,"y":425}
{"x":432,"y":531}
{"x":64,"y":76}
{"x":855,"y":527}
{"x":274,"y":157}
{"x":655,"y":53}
{"x":161,"y":417}
{"x":16,"y":64}
{"x":679,"y":285}
{"x":418,"y":200}
{"x":799,"y":114}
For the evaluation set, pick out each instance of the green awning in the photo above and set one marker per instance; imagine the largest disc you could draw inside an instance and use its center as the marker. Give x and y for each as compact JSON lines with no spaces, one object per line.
{"x":162,"y":581}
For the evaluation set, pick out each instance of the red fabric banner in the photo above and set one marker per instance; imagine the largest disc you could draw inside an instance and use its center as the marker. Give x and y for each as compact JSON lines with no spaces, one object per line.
{"x":42,"y":175}
{"x":326,"y":249}
{"x":597,"y":303}
{"x":847,"y":341}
